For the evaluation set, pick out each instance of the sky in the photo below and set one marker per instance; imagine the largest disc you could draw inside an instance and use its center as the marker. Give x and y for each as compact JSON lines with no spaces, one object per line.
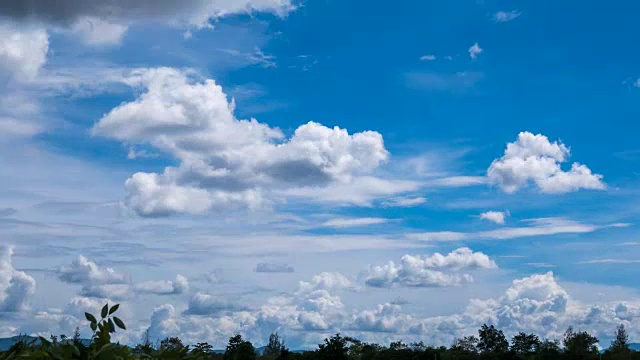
{"x":387,"y":171}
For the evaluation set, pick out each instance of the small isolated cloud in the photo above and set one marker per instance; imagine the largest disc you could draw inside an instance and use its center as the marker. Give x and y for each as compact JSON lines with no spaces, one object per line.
{"x":533,"y":158}
{"x":497,"y":217}
{"x":428,"y":58}
{"x":166,"y":287}
{"x":353,"y":222}
{"x":504,"y":16}
{"x":474,"y":51}
{"x":274,"y":268}
{"x":436,"y":270}
{"x":404,"y":202}
{"x":205,"y":304}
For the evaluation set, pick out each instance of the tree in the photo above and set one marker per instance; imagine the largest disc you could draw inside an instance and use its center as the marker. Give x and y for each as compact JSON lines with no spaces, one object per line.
{"x":548,"y":349}
{"x":466,"y":344}
{"x":492,"y":340}
{"x":334,"y":348}
{"x":579,"y":345}
{"x":239,"y":349}
{"x":275,"y":347}
{"x":76,"y":337}
{"x":525,"y":344}
{"x":621,"y":342}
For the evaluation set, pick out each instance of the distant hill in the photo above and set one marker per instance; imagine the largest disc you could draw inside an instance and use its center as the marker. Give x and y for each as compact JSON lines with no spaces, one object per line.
{"x":635,"y":346}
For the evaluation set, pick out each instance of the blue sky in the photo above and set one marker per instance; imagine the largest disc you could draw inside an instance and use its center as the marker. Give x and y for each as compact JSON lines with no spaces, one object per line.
{"x":312,"y":167}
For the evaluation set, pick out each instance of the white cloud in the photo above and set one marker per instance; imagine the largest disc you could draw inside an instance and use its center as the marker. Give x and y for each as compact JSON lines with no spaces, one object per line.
{"x":23,"y":50}
{"x":167,"y":287}
{"x":404,"y":201}
{"x":415,"y":271}
{"x":274,"y":268}
{"x":497,"y":217}
{"x":459,"y":181}
{"x":504,"y":16}
{"x":96,"y":31}
{"x":16,"y":287}
{"x":326,"y":281}
{"x":428,"y":58}
{"x":611,"y":261}
{"x":534,"y":158}
{"x":205,"y":304}
{"x":353,"y":222}
{"x":474,"y":51}
{"x":229,"y":162}
{"x":14,"y":128}
{"x":83,"y":271}
{"x":538,"y":227}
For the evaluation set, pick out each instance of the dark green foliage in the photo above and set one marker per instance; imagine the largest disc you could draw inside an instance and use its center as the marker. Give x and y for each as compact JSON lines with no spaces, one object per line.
{"x":239,"y":349}
{"x":579,"y":345}
{"x":492,"y":341}
{"x":524,"y":346}
{"x":275,"y":347}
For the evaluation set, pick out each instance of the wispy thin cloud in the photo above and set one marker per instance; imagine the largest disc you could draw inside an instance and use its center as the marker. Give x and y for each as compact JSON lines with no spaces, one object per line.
{"x":610,"y":261}
{"x":539,"y":227}
{"x":505,"y":16}
{"x":428,"y":57}
{"x":353,"y":222}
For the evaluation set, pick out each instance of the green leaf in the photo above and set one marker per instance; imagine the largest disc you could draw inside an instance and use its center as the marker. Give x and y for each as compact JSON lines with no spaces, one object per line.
{"x":114,"y":308}
{"x":112,"y":327}
{"x":90,"y":317}
{"x":119,"y":323}
{"x":105,"y":311}
{"x":94,"y":326}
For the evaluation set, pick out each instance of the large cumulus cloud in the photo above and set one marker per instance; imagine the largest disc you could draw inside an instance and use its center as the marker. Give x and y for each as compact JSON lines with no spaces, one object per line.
{"x":228,"y":162}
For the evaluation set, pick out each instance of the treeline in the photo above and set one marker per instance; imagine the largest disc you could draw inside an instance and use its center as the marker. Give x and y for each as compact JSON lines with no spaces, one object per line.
{"x":489,"y":344}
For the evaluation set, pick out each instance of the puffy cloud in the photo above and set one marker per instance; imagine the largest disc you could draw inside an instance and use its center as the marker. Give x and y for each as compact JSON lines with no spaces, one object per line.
{"x":274,"y":268}
{"x":106,"y":282}
{"x":416,"y":271}
{"x":534,"y":158}
{"x":497,"y":217}
{"x":182,"y":13}
{"x":205,"y":304}
{"x":85,"y":272}
{"x":428,"y":57}
{"x":168,"y":287}
{"x":326,"y":281}
{"x":225,"y":161}
{"x":23,"y":50}
{"x":474,"y":51}
{"x":504,"y":16}
{"x":16,"y":287}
